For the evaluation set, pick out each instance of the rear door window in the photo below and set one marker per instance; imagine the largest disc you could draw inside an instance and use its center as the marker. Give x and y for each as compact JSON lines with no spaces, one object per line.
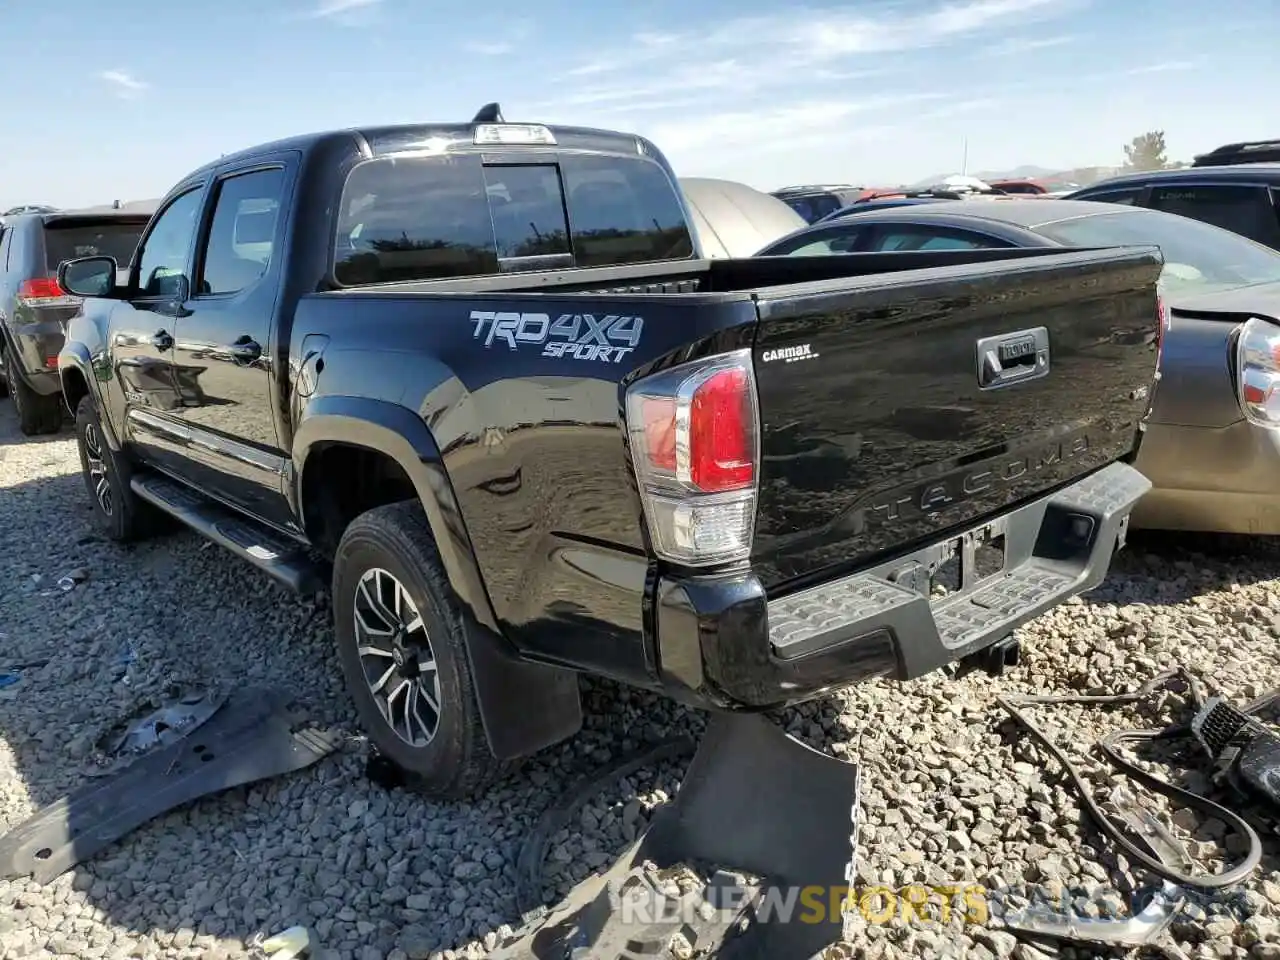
{"x":1246,"y":210}
{"x":430,"y":218}
{"x":101,"y":238}
{"x":241,"y":236}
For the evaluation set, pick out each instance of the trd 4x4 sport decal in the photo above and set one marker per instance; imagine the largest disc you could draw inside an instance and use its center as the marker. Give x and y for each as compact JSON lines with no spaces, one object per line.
{"x":577,"y":336}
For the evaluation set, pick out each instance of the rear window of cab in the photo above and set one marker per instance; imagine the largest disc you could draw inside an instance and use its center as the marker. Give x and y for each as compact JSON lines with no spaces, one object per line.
{"x":429,"y":218}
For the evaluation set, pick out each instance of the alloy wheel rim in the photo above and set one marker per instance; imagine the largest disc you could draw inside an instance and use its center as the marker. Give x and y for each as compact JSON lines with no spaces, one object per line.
{"x":97,"y":467}
{"x":396,"y":657}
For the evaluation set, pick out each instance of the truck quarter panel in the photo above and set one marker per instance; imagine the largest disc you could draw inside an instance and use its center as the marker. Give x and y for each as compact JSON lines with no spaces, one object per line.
{"x":522,"y":395}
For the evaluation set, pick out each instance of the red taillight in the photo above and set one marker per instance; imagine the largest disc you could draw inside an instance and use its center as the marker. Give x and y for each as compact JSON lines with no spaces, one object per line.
{"x":693,"y":431}
{"x":721,"y":451}
{"x":41,"y":288}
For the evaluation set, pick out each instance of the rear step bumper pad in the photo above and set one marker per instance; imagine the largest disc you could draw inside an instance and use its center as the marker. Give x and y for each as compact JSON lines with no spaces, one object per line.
{"x":726,"y":643}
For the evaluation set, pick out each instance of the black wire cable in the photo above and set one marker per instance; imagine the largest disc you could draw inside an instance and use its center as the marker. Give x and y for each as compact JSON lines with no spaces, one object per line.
{"x":1108,"y":747}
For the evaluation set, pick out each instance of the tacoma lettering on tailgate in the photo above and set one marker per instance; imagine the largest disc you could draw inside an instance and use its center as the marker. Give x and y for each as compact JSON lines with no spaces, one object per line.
{"x":577,"y":336}
{"x":963,"y":484}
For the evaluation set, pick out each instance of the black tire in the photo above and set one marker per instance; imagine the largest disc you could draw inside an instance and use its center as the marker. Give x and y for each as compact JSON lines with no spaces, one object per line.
{"x":118,"y":512}
{"x":4,"y":370}
{"x":395,"y":542}
{"x":37,"y":414}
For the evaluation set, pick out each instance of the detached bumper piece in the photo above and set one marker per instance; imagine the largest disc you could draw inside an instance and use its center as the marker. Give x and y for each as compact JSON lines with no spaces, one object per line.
{"x":723,"y":871}
{"x":251,"y":737}
{"x":1009,"y":571}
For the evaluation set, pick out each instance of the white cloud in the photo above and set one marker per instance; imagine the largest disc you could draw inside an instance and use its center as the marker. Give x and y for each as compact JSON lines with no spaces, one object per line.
{"x":124,"y":84}
{"x":784,"y":127}
{"x":340,"y":10}
{"x":824,"y":79}
{"x":489,"y":48}
{"x":1016,"y":45}
{"x":1167,"y":66}
{"x":799,"y":36}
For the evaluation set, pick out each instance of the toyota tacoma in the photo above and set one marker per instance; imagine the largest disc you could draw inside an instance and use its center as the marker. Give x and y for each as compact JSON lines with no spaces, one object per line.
{"x":476,"y":381}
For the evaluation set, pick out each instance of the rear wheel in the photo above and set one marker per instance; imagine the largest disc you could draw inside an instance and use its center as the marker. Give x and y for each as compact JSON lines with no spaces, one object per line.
{"x":117,"y":511}
{"x":403,"y":648}
{"x":37,"y":414}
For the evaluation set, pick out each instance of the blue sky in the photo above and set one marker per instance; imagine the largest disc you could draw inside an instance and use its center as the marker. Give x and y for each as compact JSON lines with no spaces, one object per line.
{"x":877,"y":91}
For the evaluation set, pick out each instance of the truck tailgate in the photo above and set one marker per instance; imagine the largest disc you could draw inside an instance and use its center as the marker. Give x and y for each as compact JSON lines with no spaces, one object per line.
{"x":897,"y":407}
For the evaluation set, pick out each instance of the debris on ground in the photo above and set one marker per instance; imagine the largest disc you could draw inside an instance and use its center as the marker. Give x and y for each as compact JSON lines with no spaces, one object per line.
{"x":251,"y":737}
{"x":292,"y":944}
{"x":69,"y":580}
{"x":12,"y":675}
{"x":160,"y":727}
{"x":767,"y":814}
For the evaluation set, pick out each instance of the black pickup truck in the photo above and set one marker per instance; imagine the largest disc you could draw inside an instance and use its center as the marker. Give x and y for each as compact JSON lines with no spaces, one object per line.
{"x":476,"y":381}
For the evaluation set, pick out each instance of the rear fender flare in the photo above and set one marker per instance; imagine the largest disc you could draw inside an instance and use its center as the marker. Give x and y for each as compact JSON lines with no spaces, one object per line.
{"x":525,"y":706}
{"x":397,"y":432}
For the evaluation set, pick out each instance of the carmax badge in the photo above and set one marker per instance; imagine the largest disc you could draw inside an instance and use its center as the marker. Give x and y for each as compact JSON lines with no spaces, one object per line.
{"x":802,"y":351}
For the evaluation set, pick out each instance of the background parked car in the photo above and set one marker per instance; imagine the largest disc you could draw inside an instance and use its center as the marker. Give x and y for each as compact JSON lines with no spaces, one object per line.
{"x":1021,"y":187}
{"x":816,"y":201}
{"x":883,"y":201}
{"x":1243,"y":198}
{"x":1212,"y":446}
{"x":733,"y":219}
{"x":34,"y":309}
{"x":1248,"y":151}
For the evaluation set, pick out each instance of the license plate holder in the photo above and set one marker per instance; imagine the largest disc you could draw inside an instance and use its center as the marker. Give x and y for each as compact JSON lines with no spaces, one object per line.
{"x":964,"y":563}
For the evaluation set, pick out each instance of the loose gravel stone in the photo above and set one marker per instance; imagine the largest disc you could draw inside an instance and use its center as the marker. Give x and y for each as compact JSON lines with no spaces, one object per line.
{"x":952,"y":796}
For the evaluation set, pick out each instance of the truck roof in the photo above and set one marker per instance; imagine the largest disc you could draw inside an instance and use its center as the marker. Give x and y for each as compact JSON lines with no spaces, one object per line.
{"x":438,"y":136}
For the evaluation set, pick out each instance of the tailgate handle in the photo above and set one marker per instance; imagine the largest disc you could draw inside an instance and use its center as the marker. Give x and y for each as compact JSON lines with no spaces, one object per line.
{"x":1013,"y":358}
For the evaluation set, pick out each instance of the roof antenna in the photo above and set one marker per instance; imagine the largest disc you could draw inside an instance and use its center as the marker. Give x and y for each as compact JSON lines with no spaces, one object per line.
{"x":489,"y":113}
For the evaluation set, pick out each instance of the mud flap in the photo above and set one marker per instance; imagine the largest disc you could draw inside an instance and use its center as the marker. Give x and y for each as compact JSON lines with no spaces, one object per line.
{"x":252,"y":737}
{"x":721,"y":871}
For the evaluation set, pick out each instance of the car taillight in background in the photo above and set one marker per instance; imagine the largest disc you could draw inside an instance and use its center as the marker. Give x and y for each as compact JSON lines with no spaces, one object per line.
{"x":44,"y":292}
{"x":1258,"y":371}
{"x":694,"y":433}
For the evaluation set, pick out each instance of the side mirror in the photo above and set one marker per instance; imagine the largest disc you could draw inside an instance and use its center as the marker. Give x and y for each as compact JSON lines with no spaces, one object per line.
{"x":88,"y":276}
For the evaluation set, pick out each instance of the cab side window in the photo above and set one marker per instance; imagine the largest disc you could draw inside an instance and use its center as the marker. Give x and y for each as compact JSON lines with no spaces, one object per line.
{"x":241,"y":238}
{"x":166,"y":252}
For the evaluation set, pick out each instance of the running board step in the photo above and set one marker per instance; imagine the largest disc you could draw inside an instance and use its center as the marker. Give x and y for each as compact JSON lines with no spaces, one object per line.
{"x":266,"y":550}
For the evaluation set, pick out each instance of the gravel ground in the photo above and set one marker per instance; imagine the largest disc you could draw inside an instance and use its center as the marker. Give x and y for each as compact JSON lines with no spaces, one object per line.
{"x":950,"y":795}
